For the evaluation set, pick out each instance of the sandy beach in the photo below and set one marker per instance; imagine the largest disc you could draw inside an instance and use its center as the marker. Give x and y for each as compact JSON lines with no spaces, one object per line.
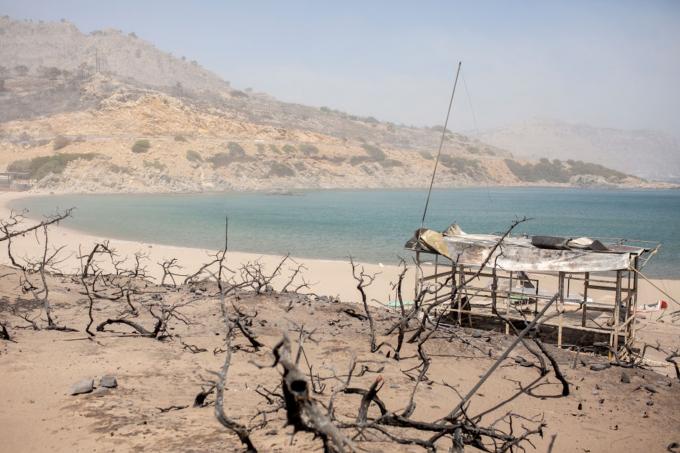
{"x":327,"y":277}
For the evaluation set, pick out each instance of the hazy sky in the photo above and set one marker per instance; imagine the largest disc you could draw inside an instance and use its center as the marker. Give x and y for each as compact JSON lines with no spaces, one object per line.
{"x":607,"y":63}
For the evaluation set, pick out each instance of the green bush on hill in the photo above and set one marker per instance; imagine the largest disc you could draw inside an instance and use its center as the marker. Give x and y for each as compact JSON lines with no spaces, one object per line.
{"x":309,"y":150}
{"x":194,"y":156}
{"x":579,"y":167}
{"x":60,"y":142}
{"x":390,"y":163}
{"x":220,"y":160}
{"x":236,"y":154}
{"x":236,"y":151}
{"x":289,"y":149}
{"x":461,"y":165}
{"x":141,"y":146}
{"x":356,"y":160}
{"x":39,"y":167}
{"x":280,"y":170}
{"x":155,"y":164}
{"x":560,"y":172}
{"x":374,"y":152}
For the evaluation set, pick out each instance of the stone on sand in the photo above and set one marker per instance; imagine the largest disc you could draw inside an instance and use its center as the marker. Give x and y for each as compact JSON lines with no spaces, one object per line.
{"x":108,"y":381}
{"x":84,"y":386}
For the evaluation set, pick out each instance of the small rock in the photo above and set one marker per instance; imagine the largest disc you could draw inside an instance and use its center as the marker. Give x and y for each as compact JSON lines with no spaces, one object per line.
{"x":476,"y":334}
{"x":650,"y":403}
{"x":599,"y":366}
{"x":580,"y":406}
{"x":625,"y":378}
{"x":650,"y":388}
{"x":595,"y":392}
{"x":108,"y":381}
{"x":84,"y":386}
{"x":101,"y":391}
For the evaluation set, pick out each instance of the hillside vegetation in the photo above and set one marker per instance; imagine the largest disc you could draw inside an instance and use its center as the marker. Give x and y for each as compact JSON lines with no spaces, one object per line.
{"x":108,"y":112}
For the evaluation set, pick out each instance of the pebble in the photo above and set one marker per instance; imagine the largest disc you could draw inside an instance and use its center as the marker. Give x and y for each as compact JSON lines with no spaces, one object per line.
{"x":84,"y":386}
{"x":625,"y":378}
{"x":599,"y":366}
{"x":108,"y":381}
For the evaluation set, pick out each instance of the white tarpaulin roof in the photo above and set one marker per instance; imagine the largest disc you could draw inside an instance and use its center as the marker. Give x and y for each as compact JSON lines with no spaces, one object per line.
{"x":519,"y":254}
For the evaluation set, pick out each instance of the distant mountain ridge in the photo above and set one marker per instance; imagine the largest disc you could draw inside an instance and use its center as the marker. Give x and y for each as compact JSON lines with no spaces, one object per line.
{"x":62,"y":45}
{"x":58,"y":51}
{"x":647,"y":154}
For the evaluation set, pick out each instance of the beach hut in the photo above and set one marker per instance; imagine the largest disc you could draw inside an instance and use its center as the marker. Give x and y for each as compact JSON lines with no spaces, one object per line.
{"x":584,"y":290}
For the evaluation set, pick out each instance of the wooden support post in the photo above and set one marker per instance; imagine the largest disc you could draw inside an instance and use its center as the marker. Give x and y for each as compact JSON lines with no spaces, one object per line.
{"x":584,"y":314}
{"x":459,"y":298}
{"x":538,"y":284}
{"x":507,"y":305}
{"x":614,"y":339}
{"x":560,"y":308}
{"x":569,"y":286}
{"x":463,"y":288}
{"x":418,"y":277}
{"x":436,"y":277}
{"x":634,"y":298}
{"x":494,"y":287}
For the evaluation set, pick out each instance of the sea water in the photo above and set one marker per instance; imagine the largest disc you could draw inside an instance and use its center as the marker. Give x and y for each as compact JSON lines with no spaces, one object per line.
{"x":372,"y":225}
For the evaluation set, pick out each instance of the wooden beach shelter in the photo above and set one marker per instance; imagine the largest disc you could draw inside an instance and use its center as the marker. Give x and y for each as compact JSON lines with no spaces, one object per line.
{"x":482,"y":281}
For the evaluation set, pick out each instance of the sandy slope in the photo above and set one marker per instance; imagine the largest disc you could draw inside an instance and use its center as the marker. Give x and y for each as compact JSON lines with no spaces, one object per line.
{"x":37,"y":414}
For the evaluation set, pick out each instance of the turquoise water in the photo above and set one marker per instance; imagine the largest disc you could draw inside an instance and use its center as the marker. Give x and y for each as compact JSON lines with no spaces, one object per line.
{"x":372,"y":225}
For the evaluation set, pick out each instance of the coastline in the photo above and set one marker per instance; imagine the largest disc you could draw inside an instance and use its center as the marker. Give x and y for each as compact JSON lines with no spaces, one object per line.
{"x":326,"y":276}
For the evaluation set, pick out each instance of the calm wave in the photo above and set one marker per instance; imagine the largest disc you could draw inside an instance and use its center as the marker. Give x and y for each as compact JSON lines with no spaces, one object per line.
{"x":372,"y":225}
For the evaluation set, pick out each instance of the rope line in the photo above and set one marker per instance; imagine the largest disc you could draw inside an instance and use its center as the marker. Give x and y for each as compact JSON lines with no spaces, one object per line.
{"x":441,"y":144}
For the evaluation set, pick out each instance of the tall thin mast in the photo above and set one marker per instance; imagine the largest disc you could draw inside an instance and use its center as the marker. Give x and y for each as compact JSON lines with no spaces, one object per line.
{"x":441,"y":144}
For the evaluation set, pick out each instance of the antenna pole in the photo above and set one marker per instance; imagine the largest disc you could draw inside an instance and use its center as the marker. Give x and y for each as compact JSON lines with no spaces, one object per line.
{"x":441,"y":144}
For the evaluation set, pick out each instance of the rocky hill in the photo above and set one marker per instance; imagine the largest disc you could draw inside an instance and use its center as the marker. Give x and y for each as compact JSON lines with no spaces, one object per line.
{"x":45,"y":45}
{"x":647,"y":154}
{"x":109,"y":112}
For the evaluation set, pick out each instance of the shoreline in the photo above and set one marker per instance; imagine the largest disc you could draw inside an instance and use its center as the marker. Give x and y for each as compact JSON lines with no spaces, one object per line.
{"x":658,"y":186}
{"x":330,"y":277}
{"x":326,"y":276}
